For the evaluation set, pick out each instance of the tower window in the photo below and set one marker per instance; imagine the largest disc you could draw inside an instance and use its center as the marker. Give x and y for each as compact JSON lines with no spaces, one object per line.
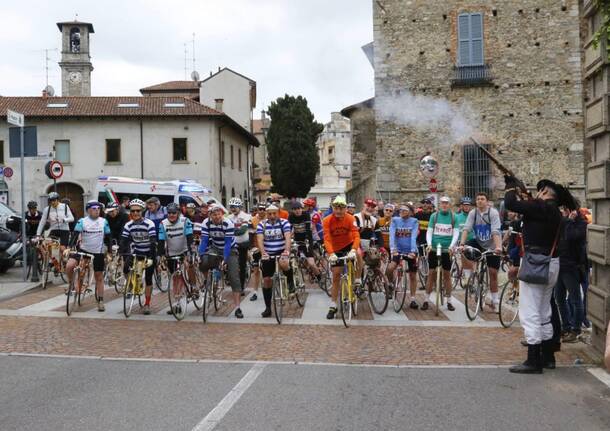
{"x":75,"y":40}
{"x":62,"y":151}
{"x":179,"y":149}
{"x":113,"y":151}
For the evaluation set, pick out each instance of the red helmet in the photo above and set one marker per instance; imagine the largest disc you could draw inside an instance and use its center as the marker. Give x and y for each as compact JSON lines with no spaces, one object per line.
{"x":309,"y":202}
{"x":370,"y":202}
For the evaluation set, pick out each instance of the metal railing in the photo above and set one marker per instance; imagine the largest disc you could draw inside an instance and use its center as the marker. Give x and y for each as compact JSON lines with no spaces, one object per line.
{"x":469,"y":76}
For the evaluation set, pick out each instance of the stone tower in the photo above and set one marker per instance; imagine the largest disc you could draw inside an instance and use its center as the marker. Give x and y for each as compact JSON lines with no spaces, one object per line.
{"x":75,"y":61}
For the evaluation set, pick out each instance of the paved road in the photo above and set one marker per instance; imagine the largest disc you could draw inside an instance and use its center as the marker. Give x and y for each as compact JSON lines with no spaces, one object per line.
{"x":93,"y":394}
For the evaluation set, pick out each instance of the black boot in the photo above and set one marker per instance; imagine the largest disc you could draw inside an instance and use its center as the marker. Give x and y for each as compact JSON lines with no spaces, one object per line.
{"x":533,"y":364}
{"x":547,"y":350}
{"x":267,"y":295}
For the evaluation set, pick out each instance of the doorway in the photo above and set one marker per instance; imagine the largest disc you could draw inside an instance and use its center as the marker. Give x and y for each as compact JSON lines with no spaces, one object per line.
{"x":74,"y":192}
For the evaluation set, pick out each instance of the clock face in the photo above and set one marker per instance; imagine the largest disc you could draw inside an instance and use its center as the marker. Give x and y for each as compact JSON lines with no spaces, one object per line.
{"x":75,"y":77}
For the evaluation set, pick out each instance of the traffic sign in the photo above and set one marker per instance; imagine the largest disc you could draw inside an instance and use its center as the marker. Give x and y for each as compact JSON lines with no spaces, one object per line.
{"x":8,"y":172}
{"x":1,"y":171}
{"x":14,"y":118}
{"x":56,"y":169}
{"x":433,"y":185}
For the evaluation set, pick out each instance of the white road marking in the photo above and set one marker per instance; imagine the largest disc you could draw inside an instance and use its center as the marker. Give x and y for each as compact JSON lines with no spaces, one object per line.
{"x":209,"y":422}
{"x":459,"y":315}
{"x":316,"y":307}
{"x":252,"y":308}
{"x":601,"y":375}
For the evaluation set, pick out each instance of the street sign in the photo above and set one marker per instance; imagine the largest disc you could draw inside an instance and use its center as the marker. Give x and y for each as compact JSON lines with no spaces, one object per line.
{"x":56,"y":169}
{"x":14,"y":118}
{"x":8,"y":172}
{"x":1,"y":171}
{"x":433,"y":185}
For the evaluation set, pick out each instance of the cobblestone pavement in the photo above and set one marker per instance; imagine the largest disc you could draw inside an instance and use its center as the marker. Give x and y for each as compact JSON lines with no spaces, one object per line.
{"x":36,"y":323}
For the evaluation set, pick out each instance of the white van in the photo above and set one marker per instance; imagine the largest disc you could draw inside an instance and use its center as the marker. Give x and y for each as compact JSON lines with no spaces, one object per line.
{"x":181,"y":192}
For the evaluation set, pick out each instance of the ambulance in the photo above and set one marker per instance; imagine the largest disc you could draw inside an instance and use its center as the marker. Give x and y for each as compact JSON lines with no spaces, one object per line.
{"x":182,"y":192}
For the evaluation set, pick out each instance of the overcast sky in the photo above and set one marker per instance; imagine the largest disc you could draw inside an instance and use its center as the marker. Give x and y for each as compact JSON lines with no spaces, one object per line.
{"x":309,"y":47}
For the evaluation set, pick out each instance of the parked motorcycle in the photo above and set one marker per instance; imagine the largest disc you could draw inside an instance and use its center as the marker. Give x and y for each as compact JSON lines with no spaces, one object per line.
{"x":10,"y":243}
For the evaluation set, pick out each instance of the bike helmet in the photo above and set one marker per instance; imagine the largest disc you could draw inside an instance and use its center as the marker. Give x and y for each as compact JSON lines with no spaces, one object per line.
{"x":53,"y":196}
{"x":172,"y":207}
{"x":466,"y":201}
{"x":32,"y":205}
{"x":235,"y":202}
{"x":137,"y":203}
{"x":472,"y":253}
{"x":93,"y":204}
{"x":216,"y":207}
{"x":370,"y":202}
{"x":297,"y":205}
{"x":113,"y":206}
{"x":309,"y":202}
{"x":191,"y":205}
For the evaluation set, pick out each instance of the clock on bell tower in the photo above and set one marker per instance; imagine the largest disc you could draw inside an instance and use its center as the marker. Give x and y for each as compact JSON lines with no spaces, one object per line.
{"x":75,"y":61}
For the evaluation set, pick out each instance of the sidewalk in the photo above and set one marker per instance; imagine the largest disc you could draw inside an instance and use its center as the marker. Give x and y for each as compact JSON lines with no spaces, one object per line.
{"x":12,"y":284}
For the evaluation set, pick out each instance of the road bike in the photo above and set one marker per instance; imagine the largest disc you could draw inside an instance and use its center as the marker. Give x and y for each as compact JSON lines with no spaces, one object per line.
{"x":321,"y":261}
{"x":477,"y":285}
{"x":509,"y":298}
{"x":439,"y":288}
{"x":183,"y":286}
{"x":52,"y":260}
{"x":279,"y":290}
{"x":161,"y":275}
{"x":374,"y":282}
{"x":456,"y":271}
{"x":113,"y":272}
{"x":298,"y":264}
{"x":423,"y":268}
{"x":348,"y":301}
{"x":134,"y":287}
{"x":401,"y":277}
{"x":214,"y":287}
{"x":81,"y":282}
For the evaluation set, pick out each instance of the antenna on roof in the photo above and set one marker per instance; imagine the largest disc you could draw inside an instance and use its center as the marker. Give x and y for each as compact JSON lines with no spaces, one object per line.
{"x":46,"y":64}
{"x":49,"y":90}
{"x":194,"y":73}
{"x":185,"y":62}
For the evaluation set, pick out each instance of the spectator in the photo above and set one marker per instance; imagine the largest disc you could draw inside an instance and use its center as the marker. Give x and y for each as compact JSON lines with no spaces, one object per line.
{"x":32,"y":219}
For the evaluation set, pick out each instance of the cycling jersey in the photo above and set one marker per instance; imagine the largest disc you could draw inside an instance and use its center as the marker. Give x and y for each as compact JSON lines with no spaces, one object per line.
{"x":59,"y":218}
{"x":384,"y":228}
{"x":32,"y":221}
{"x":274,"y":240}
{"x":140,"y":235}
{"x":93,"y":233}
{"x":443,"y":230}
{"x":316,"y":222}
{"x":423,"y":218}
{"x":369,"y":227}
{"x":301,"y":226}
{"x":177,"y":236}
{"x":484,"y":225}
{"x":221,"y":236}
{"x":403,"y":235}
{"x":117,"y":223}
{"x":340,"y":233}
{"x":461,"y":219}
{"x":241,"y":222}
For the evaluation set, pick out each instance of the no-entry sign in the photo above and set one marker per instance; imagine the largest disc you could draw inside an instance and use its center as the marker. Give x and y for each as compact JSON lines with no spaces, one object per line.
{"x":432,"y":185}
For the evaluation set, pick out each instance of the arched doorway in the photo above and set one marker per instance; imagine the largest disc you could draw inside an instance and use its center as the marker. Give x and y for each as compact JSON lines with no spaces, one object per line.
{"x":74,"y":192}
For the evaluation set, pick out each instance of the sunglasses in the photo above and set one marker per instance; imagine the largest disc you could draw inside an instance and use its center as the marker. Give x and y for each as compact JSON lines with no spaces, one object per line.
{"x":339,"y":206}
{"x":172,"y":212}
{"x":388,"y":210}
{"x":135,"y":211}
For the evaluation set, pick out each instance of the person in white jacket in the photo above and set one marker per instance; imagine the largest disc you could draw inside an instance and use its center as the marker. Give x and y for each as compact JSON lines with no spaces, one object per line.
{"x":58,"y":216}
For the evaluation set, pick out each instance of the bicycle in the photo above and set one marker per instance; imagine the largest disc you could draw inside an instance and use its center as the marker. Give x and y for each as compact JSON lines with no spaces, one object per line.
{"x":399,"y":292}
{"x":439,"y":288}
{"x":477,"y":285}
{"x":423,"y":268}
{"x":113,"y":272}
{"x":52,"y":260}
{"x":32,"y":248}
{"x":213,"y":290}
{"x":161,"y":275}
{"x":79,"y":286}
{"x":374,"y":282}
{"x":456,"y":271}
{"x":181,"y":290}
{"x":297,"y":262}
{"x":279,"y":290}
{"x":134,"y":286}
{"x":348,"y":303}
{"x":321,"y":261}
{"x":509,"y":298}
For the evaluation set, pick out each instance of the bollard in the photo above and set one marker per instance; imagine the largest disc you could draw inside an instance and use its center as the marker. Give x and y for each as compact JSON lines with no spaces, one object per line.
{"x":34,"y":262}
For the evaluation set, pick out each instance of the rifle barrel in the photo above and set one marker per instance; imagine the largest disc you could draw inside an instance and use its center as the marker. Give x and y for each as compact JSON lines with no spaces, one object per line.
{"x":500,"y":166}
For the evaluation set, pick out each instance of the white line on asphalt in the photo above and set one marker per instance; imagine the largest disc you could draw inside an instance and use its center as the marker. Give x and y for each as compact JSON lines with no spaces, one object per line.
{"x":601,"y":375}
{"x":209,"y":422}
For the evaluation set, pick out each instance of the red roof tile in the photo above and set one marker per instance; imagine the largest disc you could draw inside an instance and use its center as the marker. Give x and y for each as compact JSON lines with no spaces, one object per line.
{"x":173,"y":86}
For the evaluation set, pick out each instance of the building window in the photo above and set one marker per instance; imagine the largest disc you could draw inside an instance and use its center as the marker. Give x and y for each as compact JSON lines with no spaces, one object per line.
{"x":477,"y":171}
{"x":1,"y":152}
{"x":239,"y":159}
{"x":470,"y":39}
{"x":179,"y":147}
{"x":331,"y":154}
{"x":222,"y":153}
{"x":223,"y":196}
{"x":232,"y":160}
{"x":113,"y":151}
{"x":62,"y":151}
{"x":232,"y":192}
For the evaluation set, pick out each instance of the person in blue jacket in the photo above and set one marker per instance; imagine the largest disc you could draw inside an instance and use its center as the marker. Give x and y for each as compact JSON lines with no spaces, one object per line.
{"x":403,"y":246}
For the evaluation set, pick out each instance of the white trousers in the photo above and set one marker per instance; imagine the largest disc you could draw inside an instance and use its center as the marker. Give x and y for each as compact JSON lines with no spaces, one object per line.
{"x":535,"y":307}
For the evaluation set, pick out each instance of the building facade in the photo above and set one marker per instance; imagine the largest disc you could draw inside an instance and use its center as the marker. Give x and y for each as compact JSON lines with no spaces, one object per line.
{"x":261,"y":172}
{"x":334,"y":149}
{"x":506,"y":72}
{"x":596,"y":68}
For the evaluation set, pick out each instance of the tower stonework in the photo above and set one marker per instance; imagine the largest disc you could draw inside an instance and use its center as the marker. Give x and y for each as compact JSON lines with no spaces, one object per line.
{"x":75,"y":61}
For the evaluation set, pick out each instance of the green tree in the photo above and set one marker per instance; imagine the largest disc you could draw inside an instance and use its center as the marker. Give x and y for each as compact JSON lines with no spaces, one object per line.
{"x":603,"y":32}
{"x":291,"y":146}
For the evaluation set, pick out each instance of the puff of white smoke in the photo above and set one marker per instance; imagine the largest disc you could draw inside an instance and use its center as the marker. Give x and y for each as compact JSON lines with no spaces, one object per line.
{"x":454,"y":123}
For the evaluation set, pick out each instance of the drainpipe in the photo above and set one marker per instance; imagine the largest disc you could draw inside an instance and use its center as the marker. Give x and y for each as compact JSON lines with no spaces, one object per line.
{"x":248,"y":178}
{"x":220,"y":160}
{"x":141,"y":150}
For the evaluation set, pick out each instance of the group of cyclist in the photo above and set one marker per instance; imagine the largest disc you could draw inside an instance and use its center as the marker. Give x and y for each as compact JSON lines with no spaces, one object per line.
{"x":235,"y":239}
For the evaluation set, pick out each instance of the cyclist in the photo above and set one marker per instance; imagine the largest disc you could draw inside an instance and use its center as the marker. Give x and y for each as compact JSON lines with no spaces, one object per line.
{"x":32,"y":219}
{"x":117,"y":219}
{"x":241,"y":221}
{"x":370,"y":234}
{"x":341,"y":239}
{"x":275,"y":200}
{"x":218,"y":248}
{"x":155,"y":212}
{"x":443,"y":230}
{"x":58,"y":216}
{"x":462,"y":215}
{"x":309,"y":207}
{"x":274,"y":239}
{"x":256,"y":254}
{"x":93,"y":232}
{"x":403,"y":245}
{"x":302,"y":235}
{"x":351,"y":208}
{"x":140,"y":238}
{"x":484,"y":222}
{"x":384,"y":225}
{"x":424,"y":217}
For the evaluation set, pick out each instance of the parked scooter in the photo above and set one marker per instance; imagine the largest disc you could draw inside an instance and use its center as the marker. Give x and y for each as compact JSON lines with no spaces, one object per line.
{"x":10,"y":243}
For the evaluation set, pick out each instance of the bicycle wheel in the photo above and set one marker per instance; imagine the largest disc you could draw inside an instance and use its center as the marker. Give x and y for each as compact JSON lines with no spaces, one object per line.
{"x":84,"y":286}
{"x":472,"y":296}
{"x":217,"y":288}
{"x":71,"y":295}
{"x":197,"y":290}
{"x":378,"y":295}
{"x":119,"y":279}
{"x":345,"y":307}
{"x":45,"y":270}
{"x":438,"y":291}
{"x":161,"y":278}
{"x":423,"y":270}
{"x":400,"y":291}
{"x":299,"y":284}
{"x":206,"y":292}
{"x":129,"y":295}
{"x":177,"y":295}
{"x":277,"y":299}
{"x":456,"y":273}
{"x":509,"y":304}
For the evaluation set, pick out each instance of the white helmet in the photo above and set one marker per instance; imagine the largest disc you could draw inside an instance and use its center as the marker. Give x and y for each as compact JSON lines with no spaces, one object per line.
{"x":138,"y":203}
{"x":235,"y":202}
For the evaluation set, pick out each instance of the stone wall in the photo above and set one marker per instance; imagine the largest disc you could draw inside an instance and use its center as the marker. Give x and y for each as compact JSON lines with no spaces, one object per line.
{"x":530,"y":113}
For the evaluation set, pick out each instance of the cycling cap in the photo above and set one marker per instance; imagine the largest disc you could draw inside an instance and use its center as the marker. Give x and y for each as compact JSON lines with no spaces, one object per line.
{"x":153,"y":200}
{"x":297,"y":205}
{"x":137,"y":203}
{"x":445,"y":199}
{"x":351,"y":205}
{"x":370,"y":202}
{"x":191,"y":205}
{"x":32,"y":204}
{"x":216,"y":207}
{"x":389,"y":207}
{"x":113,"y":206}
{"x":272,"y":208}
{"x":93,"y":204}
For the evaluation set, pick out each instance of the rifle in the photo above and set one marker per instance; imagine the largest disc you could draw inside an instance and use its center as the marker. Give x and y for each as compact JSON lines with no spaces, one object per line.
{"x":500,"y":166}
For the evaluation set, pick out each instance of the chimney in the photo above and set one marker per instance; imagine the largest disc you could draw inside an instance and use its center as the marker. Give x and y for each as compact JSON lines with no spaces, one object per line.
{"x":45,"y":94}
{"x":263,"y":115}
{"x":219,"y":104}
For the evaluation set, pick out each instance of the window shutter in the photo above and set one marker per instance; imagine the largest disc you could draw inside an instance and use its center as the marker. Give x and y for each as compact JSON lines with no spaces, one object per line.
{"x":464,"y":40}
{"x":476,"y":37}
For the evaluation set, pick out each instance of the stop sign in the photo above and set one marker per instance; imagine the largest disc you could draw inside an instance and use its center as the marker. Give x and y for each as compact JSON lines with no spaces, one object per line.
{"x":432,"y":185}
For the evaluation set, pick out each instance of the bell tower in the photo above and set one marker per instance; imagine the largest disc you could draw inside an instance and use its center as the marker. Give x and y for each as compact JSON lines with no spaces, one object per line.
{"x":75,"y":61}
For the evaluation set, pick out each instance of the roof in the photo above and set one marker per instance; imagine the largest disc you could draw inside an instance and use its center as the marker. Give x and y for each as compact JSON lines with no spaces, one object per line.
{"x":172,"y":86}
{"x":101,"y":107}
{"x":229,"y":70}
{"x":368,"y":103}
{"x":88,"y":24}
{"x":251,"y":81}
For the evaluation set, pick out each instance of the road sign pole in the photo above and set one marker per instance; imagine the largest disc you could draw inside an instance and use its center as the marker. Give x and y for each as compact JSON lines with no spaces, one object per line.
{"x":24,"y":261}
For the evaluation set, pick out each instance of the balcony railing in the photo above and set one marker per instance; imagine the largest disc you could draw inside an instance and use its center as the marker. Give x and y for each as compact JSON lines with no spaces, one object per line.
{"x":471,"y":76}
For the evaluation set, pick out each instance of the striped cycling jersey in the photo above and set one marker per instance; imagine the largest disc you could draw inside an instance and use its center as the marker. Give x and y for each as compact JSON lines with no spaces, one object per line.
{"x":174,"y":234}
{"x":218,"y":233}
{"x":273,"y":235}
{"x":92,"y":233}
{"x":141,"y":234}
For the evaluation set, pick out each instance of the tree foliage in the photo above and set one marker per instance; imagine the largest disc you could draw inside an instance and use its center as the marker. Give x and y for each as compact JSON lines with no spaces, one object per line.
{"x":603,"y":7}
{"x":291,"y":146}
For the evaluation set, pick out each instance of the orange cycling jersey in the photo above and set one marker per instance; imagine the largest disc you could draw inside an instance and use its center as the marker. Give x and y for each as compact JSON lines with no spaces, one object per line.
{"x":340,"y":232}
